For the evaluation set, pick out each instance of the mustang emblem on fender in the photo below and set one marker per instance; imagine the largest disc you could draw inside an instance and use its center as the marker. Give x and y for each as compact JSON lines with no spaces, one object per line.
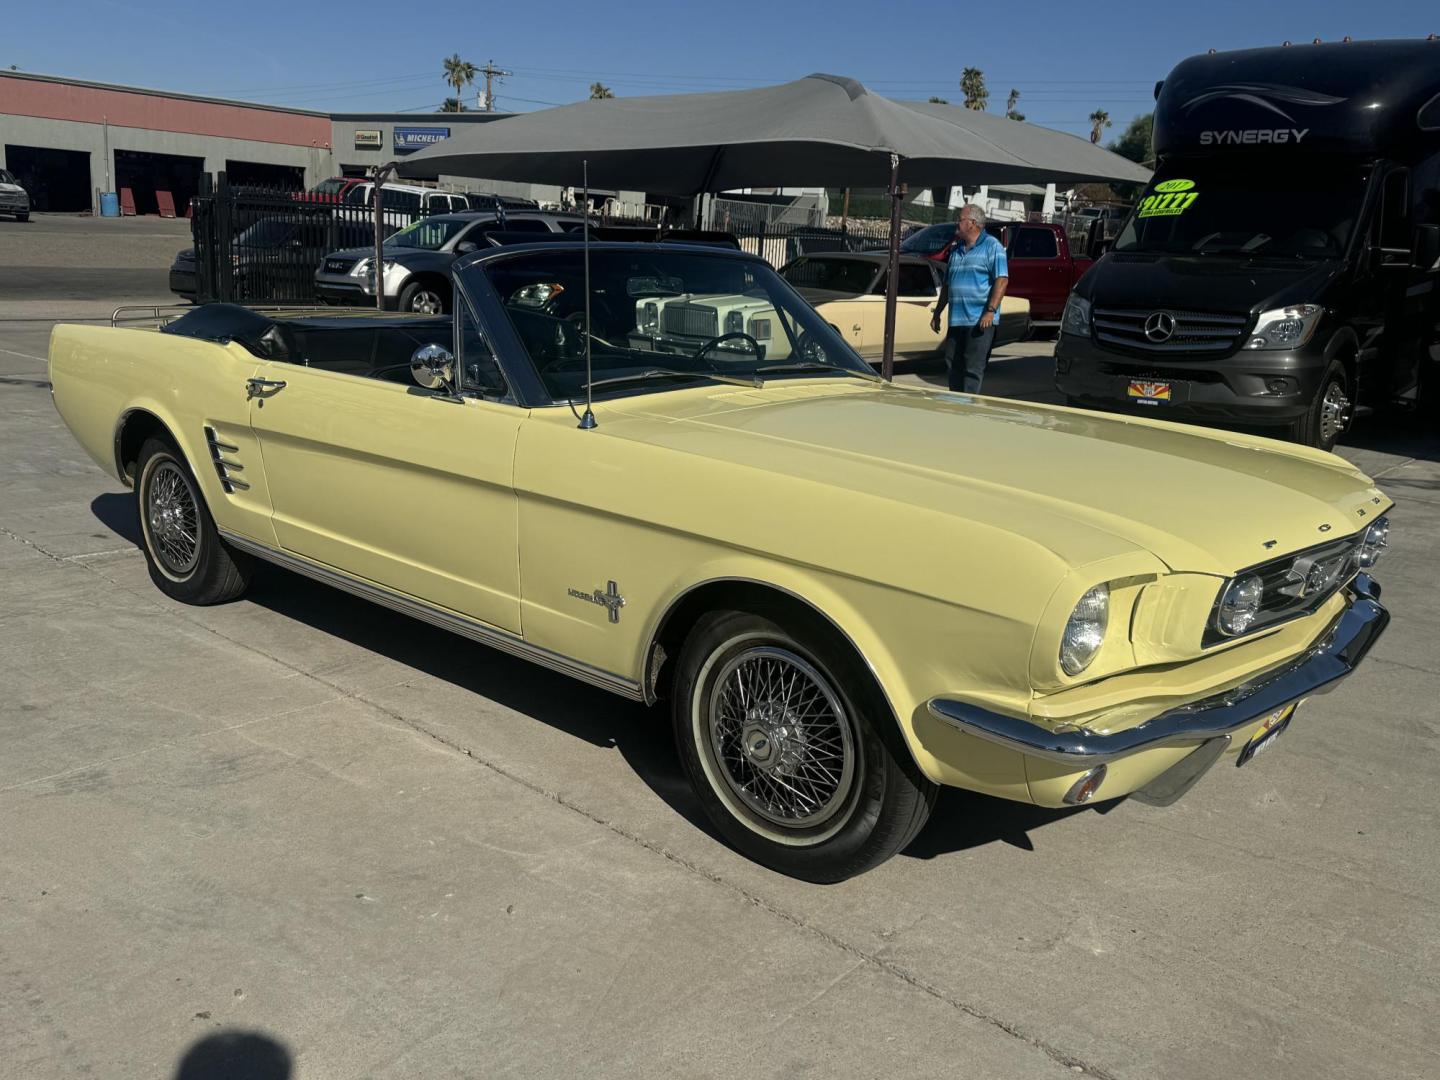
{"x":610,"y":599}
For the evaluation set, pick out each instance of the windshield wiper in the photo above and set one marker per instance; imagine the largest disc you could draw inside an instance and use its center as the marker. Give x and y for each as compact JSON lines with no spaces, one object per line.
{"x":810,"y":365}
{"x":668,"y":373}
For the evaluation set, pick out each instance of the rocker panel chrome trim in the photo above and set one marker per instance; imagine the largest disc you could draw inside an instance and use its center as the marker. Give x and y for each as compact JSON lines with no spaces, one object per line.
{"x":446,"y":620}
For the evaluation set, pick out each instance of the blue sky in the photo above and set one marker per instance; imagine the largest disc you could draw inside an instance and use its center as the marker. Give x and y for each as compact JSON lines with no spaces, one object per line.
{"x":1066,"y":59}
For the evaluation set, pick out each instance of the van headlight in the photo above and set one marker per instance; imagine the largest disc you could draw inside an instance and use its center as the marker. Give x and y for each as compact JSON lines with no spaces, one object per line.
{"x":1285,"y":328}
{"x":1076,"y":319}
{"x":1085,"y":630}
{"x":650,"y":317}
{"x":1377,"y":536}
{"x":735,"y":322}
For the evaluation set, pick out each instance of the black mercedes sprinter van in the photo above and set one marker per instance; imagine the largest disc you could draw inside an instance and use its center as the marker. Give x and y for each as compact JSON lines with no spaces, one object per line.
{"x":1281,"y":267}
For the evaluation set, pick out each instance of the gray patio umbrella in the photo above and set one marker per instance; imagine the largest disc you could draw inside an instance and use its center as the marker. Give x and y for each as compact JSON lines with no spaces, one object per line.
{"x":822,"y":130}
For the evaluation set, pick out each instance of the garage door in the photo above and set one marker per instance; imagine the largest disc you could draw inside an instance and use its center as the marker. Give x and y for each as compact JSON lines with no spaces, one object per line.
{"x":58,"y":180}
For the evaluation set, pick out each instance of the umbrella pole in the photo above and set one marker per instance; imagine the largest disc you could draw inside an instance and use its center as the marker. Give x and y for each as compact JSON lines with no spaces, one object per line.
{"x":897,"y":198}
{"x":381,"y":173}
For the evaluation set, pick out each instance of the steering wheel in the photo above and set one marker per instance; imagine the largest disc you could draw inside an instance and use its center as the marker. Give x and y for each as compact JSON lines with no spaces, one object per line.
{"x":577,"y":320}
{"x":754,"y":345}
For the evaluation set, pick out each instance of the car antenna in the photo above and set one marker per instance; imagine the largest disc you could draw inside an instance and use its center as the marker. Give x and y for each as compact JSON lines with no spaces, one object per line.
{"x":588,"y":420}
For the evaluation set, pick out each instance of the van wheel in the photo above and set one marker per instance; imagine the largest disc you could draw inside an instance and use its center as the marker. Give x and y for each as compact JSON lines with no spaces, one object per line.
{"x":1329,"y":414}
{"x":785,"y":742}
{"x":188,"y":561}
{"x":425,"y":298}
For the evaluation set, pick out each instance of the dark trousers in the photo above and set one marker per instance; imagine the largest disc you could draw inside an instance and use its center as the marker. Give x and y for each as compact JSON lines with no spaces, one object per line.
{"x":967,"y":351}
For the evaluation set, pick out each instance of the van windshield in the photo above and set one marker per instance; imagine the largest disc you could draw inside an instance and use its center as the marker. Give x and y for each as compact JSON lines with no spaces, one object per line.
{"x":1255,"y":207}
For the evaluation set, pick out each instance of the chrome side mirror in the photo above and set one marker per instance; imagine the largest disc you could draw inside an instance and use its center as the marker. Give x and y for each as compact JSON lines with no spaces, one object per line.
{"x":433,"y":367}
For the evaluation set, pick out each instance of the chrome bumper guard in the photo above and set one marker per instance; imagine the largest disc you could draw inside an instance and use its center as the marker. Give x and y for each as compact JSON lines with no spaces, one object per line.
{"x":1333,"y":656}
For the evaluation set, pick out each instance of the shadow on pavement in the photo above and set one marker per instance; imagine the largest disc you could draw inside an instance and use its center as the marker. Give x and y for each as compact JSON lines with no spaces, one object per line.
{"x":642,"y":736}
{"x":116,"y":511}
{"x":236,"y":1055}
{"x":966,"y":819}
{"x":1409,"y":435}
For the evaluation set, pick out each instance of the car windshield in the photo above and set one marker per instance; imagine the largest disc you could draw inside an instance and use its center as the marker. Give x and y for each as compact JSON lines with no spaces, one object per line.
{"x":690,"y":315}
{"x":1252,"y":208}
{"x":835,"y":275}
{"x":269,"y":232}
{"x":429,"y":234}
{"x":328,"y":187}
{"x":929,"y":240}
{"x":6,"y":177}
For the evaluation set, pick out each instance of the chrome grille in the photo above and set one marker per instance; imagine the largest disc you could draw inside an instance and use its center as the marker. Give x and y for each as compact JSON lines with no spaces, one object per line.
{"x":1195,"y":331}
{"x":691,"y":320}
{"x":1295,"y":585}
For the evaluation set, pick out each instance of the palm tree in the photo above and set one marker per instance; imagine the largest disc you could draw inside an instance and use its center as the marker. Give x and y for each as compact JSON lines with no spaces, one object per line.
{"x":938,"y":100}
{"x":459,"y":74}
{"x":453,"y":104}
{"x":1011,"y":101}
{"x":600,"y":90}
{"x":972,"y":84}
{"x":1099,"y":121}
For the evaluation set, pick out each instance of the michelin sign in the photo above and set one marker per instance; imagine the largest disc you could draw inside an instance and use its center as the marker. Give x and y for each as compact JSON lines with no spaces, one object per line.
{"x":409,"y":139}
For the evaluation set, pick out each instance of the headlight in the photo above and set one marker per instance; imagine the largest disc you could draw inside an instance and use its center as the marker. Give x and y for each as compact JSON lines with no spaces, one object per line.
{"x":1285,"y":328}
{"x":1239,"y":605}
{"x":650,"y":317}
{"x":1076,"y":319}
{"x":735,"y":322}
{"x":1085,"y":631}
{"x":1376,"y":537}
{"x":361,"y":268}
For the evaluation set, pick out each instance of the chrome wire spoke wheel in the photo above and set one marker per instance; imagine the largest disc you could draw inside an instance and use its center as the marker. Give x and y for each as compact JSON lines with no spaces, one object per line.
{"x":779,"y":740}
{"x":172,"y":519}
{"x":1334,"y":412}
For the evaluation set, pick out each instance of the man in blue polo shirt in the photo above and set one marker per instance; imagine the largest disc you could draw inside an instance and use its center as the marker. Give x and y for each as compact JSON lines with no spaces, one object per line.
{"x":976,"y":275}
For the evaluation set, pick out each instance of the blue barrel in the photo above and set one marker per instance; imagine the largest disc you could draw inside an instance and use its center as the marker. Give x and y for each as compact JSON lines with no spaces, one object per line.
{"x":109,"y":204}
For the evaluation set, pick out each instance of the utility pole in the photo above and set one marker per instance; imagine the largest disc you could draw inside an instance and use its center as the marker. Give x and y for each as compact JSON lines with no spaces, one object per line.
{"x":491,"y":72}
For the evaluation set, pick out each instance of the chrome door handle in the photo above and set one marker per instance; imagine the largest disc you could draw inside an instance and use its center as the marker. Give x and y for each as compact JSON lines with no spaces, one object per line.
{"x":261,"y":387}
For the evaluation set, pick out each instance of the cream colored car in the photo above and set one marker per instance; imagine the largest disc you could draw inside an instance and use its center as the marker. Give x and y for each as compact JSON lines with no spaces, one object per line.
{"x":849,"y":292}
{"x":846,"y":289}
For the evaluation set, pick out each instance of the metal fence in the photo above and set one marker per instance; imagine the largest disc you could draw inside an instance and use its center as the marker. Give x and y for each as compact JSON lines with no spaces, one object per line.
{"x":780,"y":243}
{"x":263,"y":245}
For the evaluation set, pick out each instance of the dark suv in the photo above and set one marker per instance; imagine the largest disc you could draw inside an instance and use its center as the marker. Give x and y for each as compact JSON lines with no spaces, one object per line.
{"x":417,"y":258}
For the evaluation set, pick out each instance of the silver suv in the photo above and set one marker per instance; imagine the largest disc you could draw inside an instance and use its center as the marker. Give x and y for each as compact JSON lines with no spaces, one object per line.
{"x":417,"y":258}
{"x":13,"y":198}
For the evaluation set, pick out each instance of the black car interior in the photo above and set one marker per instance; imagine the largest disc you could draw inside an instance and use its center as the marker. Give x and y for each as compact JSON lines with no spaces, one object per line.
{"x":368,"y":347}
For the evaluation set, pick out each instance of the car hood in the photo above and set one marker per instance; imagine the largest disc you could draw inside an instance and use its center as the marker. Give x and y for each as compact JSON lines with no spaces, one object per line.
{"x":1148,"y":282}
{"x":12,"y":189}
{"x":1086,"y":486}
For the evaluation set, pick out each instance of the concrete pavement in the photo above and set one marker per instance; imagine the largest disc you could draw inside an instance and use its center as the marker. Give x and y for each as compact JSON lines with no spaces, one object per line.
{"x":376,"y":850}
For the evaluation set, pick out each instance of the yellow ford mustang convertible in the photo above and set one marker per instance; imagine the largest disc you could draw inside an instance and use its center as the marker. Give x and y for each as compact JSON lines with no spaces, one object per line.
{"x":849,"y":593}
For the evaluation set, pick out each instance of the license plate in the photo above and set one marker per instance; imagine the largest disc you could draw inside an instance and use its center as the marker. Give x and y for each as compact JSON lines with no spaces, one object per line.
{"x":1266,"y":734}
{"x":1148,"y":392}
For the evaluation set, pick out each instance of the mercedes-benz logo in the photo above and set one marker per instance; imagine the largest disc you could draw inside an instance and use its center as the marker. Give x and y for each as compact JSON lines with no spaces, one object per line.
{"x":1160,"y":326}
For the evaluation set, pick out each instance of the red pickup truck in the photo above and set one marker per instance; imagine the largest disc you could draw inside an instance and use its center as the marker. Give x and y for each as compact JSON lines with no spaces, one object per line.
{"x":1042,"y":268}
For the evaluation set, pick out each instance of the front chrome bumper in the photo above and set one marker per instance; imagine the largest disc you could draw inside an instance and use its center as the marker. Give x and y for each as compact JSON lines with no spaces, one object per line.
{"x":1333,"y":656}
